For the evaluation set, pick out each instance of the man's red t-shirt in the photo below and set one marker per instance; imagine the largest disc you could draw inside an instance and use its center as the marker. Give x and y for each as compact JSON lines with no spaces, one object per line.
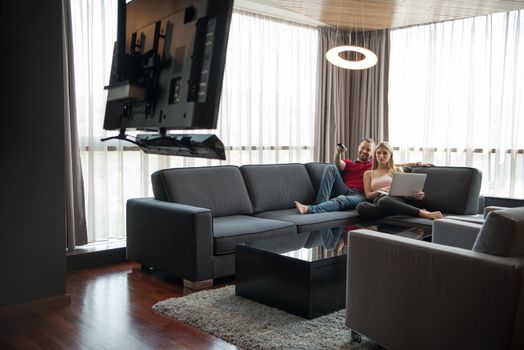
{"x":354,"y":173}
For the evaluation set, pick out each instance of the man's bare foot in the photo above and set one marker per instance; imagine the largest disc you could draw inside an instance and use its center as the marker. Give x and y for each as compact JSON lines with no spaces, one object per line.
{"x":302,"y":209}
{"x":430,"y":214}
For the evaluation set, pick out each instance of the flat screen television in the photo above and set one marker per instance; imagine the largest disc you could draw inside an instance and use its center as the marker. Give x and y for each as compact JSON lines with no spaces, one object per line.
{"x":167,"y":72}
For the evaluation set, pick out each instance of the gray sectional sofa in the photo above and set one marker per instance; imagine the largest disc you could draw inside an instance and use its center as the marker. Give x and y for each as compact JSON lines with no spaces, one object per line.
{"x":198,"y":216}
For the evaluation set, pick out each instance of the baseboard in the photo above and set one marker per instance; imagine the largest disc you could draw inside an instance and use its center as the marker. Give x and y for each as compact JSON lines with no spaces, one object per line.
{"x":17,"y":309}
{"x":84,"y":260}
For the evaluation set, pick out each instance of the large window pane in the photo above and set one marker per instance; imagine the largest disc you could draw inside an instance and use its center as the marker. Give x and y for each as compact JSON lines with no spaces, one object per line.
{"x":455,"y":97}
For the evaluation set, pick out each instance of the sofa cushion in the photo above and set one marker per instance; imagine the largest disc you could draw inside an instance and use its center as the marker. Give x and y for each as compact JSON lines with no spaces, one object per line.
{"x":277,"y":186}
{"x":454,"y":190}
{"x":315,"y":171}
{"x":228,"y":231}
{"x":312,"y":222}
{"x":219,"y":188}
{"x":502,"y":233}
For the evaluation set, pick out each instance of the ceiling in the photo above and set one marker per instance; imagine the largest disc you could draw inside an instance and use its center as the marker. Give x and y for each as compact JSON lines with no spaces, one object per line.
{"x":379,"y":14}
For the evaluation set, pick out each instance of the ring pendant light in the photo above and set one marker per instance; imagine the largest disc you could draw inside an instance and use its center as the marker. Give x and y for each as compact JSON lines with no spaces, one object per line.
{"x":369,"y":60}
{"x":333,"y":55}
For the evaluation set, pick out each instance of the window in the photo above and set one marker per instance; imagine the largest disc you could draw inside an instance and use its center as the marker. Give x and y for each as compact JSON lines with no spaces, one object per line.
{"x":456,"y":97}
{"x":266,"y":113}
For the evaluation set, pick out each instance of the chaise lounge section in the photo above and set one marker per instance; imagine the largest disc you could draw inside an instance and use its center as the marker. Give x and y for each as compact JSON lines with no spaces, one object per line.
{"x":452,"y":190}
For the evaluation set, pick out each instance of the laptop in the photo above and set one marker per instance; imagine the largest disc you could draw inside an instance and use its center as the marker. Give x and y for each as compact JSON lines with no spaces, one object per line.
{"x":406,"y":184}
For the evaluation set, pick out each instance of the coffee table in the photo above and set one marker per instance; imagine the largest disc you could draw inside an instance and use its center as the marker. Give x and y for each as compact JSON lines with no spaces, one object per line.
{"x":305,"y":273}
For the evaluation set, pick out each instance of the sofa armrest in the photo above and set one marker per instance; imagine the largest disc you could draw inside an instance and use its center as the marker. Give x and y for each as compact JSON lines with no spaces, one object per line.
{"x":501,"y":202}
{"x":409,"y":294}
{"x":461,"y":234}
{"x":491,"y":208}
{"x":172,"y":237}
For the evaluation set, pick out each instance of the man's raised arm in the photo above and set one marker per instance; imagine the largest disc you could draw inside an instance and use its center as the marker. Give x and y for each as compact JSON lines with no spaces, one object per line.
{"x":337,"y":159}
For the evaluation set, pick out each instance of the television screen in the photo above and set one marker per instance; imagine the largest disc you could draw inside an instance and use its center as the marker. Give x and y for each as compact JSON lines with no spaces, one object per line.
{"x":168,"y":66}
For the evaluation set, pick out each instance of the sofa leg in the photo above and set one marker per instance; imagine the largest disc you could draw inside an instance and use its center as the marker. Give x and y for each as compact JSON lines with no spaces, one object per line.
{"x":198,"y":285}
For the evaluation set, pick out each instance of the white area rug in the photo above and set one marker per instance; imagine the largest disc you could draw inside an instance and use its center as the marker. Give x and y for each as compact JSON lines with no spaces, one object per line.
{"x":251,"y":325}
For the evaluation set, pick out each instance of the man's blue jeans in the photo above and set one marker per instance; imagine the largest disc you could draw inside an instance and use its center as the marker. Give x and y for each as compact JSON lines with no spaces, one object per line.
{"x":330,"y":237}
{"x":332,"y":185}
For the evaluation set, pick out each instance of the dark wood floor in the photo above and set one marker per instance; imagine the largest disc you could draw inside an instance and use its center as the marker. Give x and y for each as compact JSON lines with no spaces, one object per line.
{"x":110,"y":309}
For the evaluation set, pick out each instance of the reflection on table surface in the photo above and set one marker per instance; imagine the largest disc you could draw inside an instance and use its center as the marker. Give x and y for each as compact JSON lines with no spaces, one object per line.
{"x":328,"y":243}
{"x":322,"y":244}
{"x":404,"y":231}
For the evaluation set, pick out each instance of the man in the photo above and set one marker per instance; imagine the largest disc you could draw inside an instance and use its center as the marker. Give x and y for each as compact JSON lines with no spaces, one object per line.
{"x":348,"y":189}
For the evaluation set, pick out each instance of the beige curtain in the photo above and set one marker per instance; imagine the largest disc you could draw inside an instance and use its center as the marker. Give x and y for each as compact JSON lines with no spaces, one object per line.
{"x":351,"y":104}
{"x":75,"y":209}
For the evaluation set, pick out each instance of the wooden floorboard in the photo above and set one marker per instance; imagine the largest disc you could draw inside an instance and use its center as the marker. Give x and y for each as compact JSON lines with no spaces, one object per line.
{"x":110,"y":309}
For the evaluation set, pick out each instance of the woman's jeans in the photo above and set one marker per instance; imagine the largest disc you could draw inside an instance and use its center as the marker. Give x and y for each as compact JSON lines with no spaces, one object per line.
{"x":332,"y":185}
{"x":387,"y":205}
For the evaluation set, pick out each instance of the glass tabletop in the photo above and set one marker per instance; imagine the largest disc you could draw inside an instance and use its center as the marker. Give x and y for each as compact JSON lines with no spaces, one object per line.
{"x":309,"y":246}
{"x":328,"y":243}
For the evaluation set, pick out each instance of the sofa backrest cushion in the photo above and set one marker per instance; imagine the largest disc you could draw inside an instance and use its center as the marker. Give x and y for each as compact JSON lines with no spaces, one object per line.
{"x":453,"y":190}
{"x":218,"y":188}
{"x":502,"y":233}
{"x":315,"y":171}
{"x":276,"y":186}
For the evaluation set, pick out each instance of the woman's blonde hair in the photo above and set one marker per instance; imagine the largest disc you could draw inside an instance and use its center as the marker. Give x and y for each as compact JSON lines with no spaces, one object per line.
{"x":391,"y":164}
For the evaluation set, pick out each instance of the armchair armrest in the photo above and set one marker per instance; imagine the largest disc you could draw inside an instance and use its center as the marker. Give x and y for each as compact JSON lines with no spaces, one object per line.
{"x":461,"y":234}
{"x":173,"y":237}
{"x":409,"y":294}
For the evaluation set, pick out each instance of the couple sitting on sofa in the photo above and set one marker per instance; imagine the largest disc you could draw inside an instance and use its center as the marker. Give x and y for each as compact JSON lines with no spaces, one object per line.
{"x":361,"y":182}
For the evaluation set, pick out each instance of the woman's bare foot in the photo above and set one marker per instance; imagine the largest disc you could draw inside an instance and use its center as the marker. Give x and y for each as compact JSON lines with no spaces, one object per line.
{"x":430,"y":214}
{"x":302,"y":209}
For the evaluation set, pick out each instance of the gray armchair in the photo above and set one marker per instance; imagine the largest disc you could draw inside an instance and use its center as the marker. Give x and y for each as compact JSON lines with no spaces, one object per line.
{"x":407,"y":294}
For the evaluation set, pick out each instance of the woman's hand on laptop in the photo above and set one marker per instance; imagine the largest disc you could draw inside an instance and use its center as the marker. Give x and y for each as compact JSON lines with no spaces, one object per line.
{"x":419,"y":195}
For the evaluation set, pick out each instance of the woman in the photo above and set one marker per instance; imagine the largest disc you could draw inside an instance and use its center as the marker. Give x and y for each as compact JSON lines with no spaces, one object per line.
{"x":379,"y":178}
